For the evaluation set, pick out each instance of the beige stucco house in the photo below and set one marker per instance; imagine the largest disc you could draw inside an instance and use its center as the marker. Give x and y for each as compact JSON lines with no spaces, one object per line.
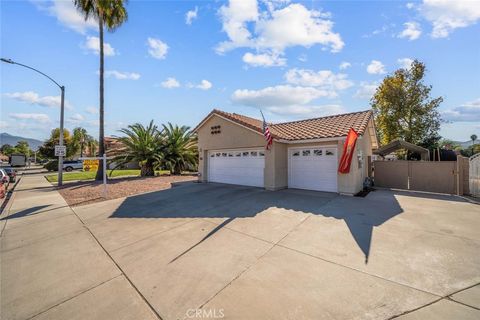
{"x":304,"y":155}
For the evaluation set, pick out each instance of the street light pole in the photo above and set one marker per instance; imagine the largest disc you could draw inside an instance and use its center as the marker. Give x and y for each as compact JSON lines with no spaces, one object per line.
{"x":60,"y":139}
{"x":62,"y":111}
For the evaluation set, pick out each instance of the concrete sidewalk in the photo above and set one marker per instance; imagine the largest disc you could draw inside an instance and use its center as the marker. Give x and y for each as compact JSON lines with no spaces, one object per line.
{"x":53,"y":268}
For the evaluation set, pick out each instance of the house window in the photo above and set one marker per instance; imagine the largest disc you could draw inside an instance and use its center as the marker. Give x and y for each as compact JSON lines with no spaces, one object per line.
{"x":224,"y":154}
{"x":238,"y":154}
{"x":329,"y":152}
{"x":245,"y":154}
{"x":305,"y":153}
{"x":212,"y":155}
{"x":296,"y":153}
{"x":230,"y":154}
{"x":317,"y":152}
{"x":218,"y":154}
{"x":261,"y":154}
{"x":254,"y":153}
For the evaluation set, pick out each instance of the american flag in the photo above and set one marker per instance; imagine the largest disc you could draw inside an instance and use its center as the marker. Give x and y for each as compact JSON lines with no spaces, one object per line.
{"x":266,"y":133}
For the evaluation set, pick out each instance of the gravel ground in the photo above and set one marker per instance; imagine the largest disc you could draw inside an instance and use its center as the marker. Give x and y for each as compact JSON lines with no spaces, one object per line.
{"x":81,"y":193}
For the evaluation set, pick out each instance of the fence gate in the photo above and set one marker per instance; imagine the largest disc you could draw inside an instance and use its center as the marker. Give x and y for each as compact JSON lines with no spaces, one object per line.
{"x":428,"y":176}
{"x":474,"y":175}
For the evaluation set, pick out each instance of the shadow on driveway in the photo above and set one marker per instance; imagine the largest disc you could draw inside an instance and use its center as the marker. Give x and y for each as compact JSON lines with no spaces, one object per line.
{"x":361,"y":215}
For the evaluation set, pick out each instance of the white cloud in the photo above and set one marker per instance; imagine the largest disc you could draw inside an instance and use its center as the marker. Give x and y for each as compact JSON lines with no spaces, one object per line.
{"x":448,"y":15}
{"x":4,"y":124}
{"x":410,"y":5}
{"x":467,"y":112}
{"x":93,"y":44}
{"x":34,"y":98}
{"x":275,"y":29}
{"x":66,"y":14}
{"x":122,"y":75}
{"x":157,"y":48}
{"x":92,"y":110}
{"x":412,"y":31}
{"x":344,"y":65}
{"x":204,"y":85}
{"x":302,"y":58}
{"x":263,"y":59}
{"x":323,"y":79}
{"x":366,"y":90}
{"x":306,"y":111}
{"x":37,"y":117}
{"x":278,"y":96}
{"x":376,"y":67}
{"x":191,"y":15}
{"x":170,"y":83}
{"x":76,"y":118}
{"x":405,"y":63}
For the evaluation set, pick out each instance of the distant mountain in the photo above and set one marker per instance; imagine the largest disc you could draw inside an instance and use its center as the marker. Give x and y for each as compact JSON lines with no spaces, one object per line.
{"x":465,"y":144}
{"x":6,"y":138}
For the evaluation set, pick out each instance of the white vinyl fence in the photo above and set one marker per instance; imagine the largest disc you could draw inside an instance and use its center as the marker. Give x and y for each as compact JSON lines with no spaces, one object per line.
{"x":474,"y":175}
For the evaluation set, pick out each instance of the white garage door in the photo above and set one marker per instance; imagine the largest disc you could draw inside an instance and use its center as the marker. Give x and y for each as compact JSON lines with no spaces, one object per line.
{"x":243,"y":167}
{"x":313,"y":168}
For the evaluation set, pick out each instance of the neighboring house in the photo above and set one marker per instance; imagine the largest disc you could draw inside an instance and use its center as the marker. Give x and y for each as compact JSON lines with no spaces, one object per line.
{"x":304,"y":155}
{"x":113,"y":147}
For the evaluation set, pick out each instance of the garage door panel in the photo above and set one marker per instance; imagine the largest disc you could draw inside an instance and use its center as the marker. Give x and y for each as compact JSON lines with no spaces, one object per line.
{"x":243,"y":167}
{"x":313,"y":168}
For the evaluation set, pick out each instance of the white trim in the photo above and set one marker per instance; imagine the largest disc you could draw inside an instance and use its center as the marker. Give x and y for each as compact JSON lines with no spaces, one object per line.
{"x":315,"y":146}
{"x":259,"y":148}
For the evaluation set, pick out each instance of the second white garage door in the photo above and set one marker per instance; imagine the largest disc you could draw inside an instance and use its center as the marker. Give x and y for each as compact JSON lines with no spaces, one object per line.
{"x":313,"y":168}
{"x":243,"y":167}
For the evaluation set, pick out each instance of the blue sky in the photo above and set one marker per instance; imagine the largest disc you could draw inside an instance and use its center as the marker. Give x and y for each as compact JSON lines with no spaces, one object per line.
{"x":174,"y":61}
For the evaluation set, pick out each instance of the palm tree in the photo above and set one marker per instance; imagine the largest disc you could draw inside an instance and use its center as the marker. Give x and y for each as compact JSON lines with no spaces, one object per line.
{"x":140,"y":144}
{"x":81,"y":138}
{"x":92,"y":146}
{"x":111,"y":14}
{"x":473,"y":137}
{"x":179,"y":149}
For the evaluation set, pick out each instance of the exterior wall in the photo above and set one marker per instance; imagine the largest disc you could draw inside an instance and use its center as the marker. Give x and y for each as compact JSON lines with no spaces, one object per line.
{"x":276,"y":167}
{"x":231,"y":136}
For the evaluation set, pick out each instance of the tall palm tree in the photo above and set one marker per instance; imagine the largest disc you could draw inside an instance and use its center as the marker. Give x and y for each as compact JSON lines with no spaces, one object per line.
{"x":473,"y":137}
{"x":81,"y":138}
{"x":110,"y":14}
{"x":141,"y":144}
{"x":179,"y":149}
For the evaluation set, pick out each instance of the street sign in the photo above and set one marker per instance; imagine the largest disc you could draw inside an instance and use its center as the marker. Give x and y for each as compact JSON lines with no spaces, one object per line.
{"x":60,"y":151}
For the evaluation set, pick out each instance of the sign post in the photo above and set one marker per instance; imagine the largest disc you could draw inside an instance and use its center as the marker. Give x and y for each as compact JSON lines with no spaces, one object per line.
{"x":91,"y":164}
{"x":104,"y":175}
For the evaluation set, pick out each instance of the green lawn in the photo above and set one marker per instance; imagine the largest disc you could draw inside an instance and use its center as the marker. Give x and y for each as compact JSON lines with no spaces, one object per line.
{"x":90,"y":175}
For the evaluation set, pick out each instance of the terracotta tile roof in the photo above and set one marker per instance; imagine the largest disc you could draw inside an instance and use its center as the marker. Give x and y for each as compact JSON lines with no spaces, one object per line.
{"x":316,"y":128}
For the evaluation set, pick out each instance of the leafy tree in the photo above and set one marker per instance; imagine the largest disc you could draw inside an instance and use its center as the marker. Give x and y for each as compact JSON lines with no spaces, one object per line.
{"x":47,"y":150}
{"x":22,"y":147}
{"x":403,"y":108}
{"x":142,"y":144}
{"x":179,"y":149}
{"x":7,"y":149}
{"x":110,"y":14}
{"x":473,"y":137}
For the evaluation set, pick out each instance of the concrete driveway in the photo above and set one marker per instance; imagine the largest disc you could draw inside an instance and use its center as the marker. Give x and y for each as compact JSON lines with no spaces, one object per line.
{"x":216,"y":251}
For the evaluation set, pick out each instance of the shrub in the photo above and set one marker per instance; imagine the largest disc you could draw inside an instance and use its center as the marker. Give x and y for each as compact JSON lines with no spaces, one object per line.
{"x":51,"y":165}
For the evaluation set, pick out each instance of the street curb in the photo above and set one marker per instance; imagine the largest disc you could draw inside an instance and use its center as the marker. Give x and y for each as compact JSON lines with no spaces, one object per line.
{"x":8,"y":196}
